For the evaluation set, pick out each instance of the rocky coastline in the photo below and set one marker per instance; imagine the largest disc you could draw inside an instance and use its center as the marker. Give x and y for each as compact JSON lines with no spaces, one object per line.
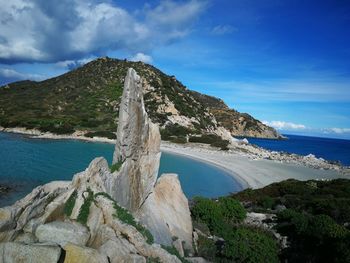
{"x":238,"y":146}
{"x":106,"y":214}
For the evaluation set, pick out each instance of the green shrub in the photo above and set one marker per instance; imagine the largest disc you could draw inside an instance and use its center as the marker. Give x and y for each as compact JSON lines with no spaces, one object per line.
{"x":222,"y":144}
{"x":69,"y":205}
{"x":207,"y":139}
{"x":250,"y":245}
{"x":207,"y":248}
{"x":105,"y":134}
{"x":232,"y":210}
{"x":116,"y":166}
{"x":85,"y":208}
{"x":217,"y":214}
{"x":179,"y":140}
{"x":123,"y":215}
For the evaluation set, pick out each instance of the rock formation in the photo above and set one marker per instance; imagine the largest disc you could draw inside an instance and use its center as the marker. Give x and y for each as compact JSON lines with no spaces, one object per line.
{"x":137,"y":147}
{"x":86,"y":220}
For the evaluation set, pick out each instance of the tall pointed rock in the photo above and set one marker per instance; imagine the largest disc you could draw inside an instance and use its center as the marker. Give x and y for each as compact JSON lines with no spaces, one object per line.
{"x":137,"y":146}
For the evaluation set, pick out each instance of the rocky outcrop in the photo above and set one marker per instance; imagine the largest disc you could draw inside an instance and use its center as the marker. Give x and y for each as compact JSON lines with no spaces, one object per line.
{"x":166,"y":212}
{"x":91,"y":218}
{"x":137,"y":147}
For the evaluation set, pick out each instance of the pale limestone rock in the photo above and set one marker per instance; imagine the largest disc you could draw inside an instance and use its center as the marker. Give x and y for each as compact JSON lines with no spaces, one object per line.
{"x":79,"y":254}
{"x":118,"y":250}
{"x":62,"y":233}
{"x":132,"y":235}
{"x":27,"y":238}
{"x":178,"y":245}
{"x":132,"y":258}
{"x":138,"y":146}
{"x":166,"y":212}
{"x":95,"y":220}
{"x":36,"y":253}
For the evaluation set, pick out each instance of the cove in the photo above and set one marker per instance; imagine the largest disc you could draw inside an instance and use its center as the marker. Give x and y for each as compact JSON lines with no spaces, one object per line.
{"x":26,"y":163}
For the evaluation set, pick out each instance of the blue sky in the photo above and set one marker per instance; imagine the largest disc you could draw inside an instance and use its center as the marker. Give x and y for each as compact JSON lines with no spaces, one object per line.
{"x":286,"y":62}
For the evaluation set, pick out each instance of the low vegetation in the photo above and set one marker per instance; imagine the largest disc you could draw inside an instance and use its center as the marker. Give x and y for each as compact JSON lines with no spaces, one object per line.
{"x":116,"y":166}
{"x":123,"y":215}
{"x":212,"y":139}
{"x":69,"y":205}
{"x":85,"y":208}
{"x":105,"y":134}
{"x":223,"y":218}
{"x":314,"y":215}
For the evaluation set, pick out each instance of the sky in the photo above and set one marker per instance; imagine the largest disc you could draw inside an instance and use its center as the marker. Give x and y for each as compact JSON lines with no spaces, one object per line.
{"x":285,"y":62}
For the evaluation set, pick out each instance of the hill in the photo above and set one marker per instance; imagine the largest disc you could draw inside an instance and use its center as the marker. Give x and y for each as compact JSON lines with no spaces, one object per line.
{"x":88,"y":98}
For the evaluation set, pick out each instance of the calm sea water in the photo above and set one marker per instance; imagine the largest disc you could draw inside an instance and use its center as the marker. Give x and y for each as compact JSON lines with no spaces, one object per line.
{"x":26,"y":163}
{"x":329,"y":149}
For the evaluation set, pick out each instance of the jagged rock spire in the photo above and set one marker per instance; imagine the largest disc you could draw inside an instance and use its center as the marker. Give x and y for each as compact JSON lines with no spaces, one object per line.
{"x":137,"y":146}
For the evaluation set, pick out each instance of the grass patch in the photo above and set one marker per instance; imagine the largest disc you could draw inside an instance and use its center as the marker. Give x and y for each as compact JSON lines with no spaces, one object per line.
{"x":116,"y":166}
{"x":124,"y":215}
{"x":69,"y":205}
{"x":85,"y":208}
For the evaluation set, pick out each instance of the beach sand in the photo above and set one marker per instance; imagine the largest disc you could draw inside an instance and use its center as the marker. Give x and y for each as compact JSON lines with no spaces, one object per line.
{"x":249,"y":172}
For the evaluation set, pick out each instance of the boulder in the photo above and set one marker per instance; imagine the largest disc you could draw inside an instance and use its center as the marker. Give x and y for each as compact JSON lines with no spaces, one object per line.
{"x":137,"y":147}
{"x":117,"y":250}
{"x":166,"y":212}
{"x":79,"y":254}
{"x":62,"y":233}
{"x":36,"y":253}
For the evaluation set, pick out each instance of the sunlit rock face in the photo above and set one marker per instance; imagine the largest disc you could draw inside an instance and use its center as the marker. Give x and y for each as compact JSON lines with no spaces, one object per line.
{"x":137,"y":147}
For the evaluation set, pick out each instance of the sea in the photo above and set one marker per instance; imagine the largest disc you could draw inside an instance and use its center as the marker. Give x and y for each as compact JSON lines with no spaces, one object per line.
{"x":337,"y":150}
{"x":26,"y":163}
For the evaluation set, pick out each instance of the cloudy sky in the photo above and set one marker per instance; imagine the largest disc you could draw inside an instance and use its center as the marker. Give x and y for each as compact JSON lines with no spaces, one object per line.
{"x":286,"y":62}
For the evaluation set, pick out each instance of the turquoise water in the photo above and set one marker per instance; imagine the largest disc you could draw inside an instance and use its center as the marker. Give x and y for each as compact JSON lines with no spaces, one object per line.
{"x":327,"y":148}
{"x":26,"y":163}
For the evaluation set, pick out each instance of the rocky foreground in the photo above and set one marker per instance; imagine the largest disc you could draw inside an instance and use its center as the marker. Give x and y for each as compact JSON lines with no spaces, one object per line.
{"x":121,"y":213}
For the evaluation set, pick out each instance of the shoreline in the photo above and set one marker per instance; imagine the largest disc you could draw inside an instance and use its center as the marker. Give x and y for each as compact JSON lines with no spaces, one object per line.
{"x":252,"y":173}
{"x":250,"y":166}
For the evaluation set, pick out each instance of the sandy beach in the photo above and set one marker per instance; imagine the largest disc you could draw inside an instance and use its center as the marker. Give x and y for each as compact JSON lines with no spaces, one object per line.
{"x":248,"y":165}
{"x":251,"y":172}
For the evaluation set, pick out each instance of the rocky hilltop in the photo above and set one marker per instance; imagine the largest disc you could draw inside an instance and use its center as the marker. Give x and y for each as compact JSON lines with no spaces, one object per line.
{"x":87,"y":99}
{"x":121,"y":213}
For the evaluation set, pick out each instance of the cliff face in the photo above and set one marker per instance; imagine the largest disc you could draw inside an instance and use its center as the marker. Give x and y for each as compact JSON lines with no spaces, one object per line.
{"x":88,"y":99}
{"x":91,"y":219}
{"x":238,"y":124}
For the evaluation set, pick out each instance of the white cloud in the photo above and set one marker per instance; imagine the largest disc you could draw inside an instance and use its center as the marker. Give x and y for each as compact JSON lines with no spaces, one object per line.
{"x":142,"y":57}
{"x":282,"y":125}
{"x":52,"y":31}
{"x":337,"y":130}
{"x":223,"y":30}
{"x":6,"y":73}
{"x":72,"y":64}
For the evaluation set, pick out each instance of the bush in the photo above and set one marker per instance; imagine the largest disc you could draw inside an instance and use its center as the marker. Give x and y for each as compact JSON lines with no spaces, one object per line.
{"x":222,"y":144}
{"x":217,"y":214}
{"x":179,"y":140}
{"x":174,"y":130}
{"x":250,"y":245}
{"x":206,"y":248}
{"x":104,"y":134}
{"x":232,"y":210}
